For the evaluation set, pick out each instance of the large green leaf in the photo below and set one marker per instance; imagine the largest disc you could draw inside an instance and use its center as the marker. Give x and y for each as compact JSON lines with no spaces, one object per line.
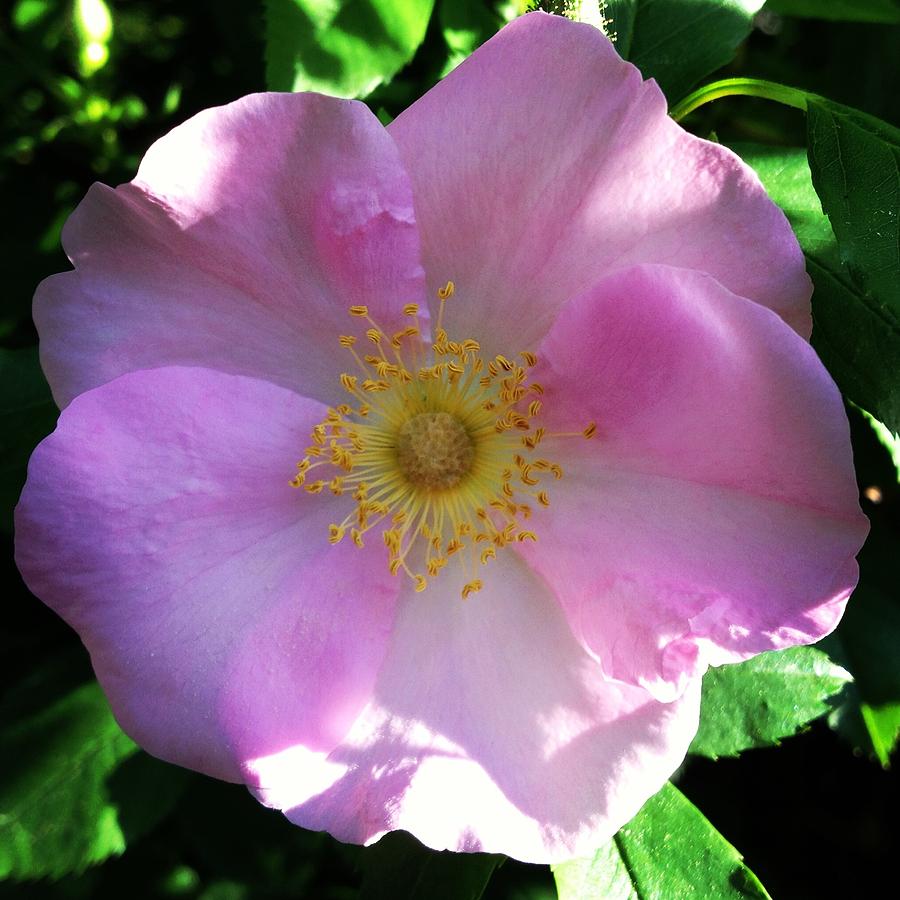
{"x":769,"y":697}
{"x":680,"y":42}
{"x":398,"y":867}
{"x":27,"y":414}
{"x":856,"y":333}
{"x":886,"y":11}
{"x":668,"y":850}
{"x":75,"y":789}
{"x":345,"y":48}
{"x":855,"y":164}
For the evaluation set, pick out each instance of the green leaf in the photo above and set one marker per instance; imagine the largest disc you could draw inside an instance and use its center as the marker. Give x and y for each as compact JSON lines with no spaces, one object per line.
{"x":886,"y":11}
{"x":27,"y":415}
{"x":75,"y":789}
{"x":398,"y":867}
{"x":856,"y":336}
{"x":888,"y":439}
{"x":345,"y":48}
{"x":760,"y":701}
{"x":855,"y":163}
{"x":465,"y":25}
{"x":679,"y":42}
{"x":669,"y":849}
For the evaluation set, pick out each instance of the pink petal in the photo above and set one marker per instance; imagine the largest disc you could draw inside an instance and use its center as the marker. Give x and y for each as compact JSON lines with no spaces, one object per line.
{"x":158,"y":521}
{"x":543,"y":162}
{"x":239,"y":246}
{"x":490,"y":729}
{"x":715,"y":513}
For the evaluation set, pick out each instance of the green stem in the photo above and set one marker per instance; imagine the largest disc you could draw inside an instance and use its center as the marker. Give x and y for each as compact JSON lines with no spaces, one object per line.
{"x":741,"y":87}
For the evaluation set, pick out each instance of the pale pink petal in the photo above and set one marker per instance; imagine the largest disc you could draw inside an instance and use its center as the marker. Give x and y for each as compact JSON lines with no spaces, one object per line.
{"x":544,"y":162}
{"x":715,"y":513}
{"x":490,"y":730}
{"x":239,"y":246}
{"x":159,"y":522}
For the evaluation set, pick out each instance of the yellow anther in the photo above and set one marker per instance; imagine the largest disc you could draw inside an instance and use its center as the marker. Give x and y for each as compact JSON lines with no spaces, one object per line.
{"x":454,"y":546}
{"x":488,"y":553}
{"x":470,"y":346}
{"x":347,"y":340}
{"x":534,"y":408}
{"x":335,"y":533}
{"x":394,"y":565}
{"x":503,"y":362}
{"x":356,"y":537}
{"x":471,"y":588}
{"x":348,"y":382}
{"x":537,"y":388}
{"x":557,"y":471}
{"x":446,"y":292}
{"x":315,"y":487}
{"x":336,"y":486}
{"x":421,"y":583}
{"x":374,"y":335}
{"x":313,"y":450}
{"x":374,"y":387}
{"x":529,"y":357}
{"x":526,"y":536}
{"x":411,"y":309}
{"x":543,"y":498}
{"x":297,"y":480}
{"x":359,"y":311}
{"x":590,"y":431}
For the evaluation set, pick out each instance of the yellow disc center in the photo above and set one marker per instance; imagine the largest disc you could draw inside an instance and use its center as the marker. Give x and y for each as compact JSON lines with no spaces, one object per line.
{"x":434,"y":450}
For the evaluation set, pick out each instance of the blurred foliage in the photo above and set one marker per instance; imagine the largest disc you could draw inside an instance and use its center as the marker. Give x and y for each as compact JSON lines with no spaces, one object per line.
{"x":87,"y":85}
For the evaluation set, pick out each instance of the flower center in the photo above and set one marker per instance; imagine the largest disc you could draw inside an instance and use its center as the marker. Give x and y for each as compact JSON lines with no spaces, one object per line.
{"x":438,"y":449}
{"x":434,"y":450}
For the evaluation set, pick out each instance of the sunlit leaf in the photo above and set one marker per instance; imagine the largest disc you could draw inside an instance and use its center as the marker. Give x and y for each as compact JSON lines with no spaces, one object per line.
{"x":345,"y":48}
{"x":760,"y":701}
{"x":75,"y":789}
{"x":668,"y":850}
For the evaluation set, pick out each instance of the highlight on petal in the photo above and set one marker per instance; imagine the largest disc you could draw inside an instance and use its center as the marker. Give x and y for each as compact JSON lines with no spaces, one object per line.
{"x":158,"y":520}
{"x":490,"y":729}
{"x":715,"y":514}
{"x":245,"y":236}
{"x":544,"y":162}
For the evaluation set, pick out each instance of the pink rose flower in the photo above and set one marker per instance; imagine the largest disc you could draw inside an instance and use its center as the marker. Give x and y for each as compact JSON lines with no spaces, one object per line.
{"x":583,"y":452}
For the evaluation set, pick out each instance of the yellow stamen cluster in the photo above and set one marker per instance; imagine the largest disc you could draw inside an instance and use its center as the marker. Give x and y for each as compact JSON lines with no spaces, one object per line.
{"x":437,"y":448}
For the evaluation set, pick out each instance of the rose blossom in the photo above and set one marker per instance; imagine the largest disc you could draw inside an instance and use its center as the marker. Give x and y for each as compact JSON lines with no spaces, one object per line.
{"x":582,"y":399}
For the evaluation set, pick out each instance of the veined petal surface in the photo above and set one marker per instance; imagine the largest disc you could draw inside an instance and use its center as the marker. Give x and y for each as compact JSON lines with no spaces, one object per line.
{"x":715,"y":514}
{"x":544,"y":161}
{"x":239,"y":246}
{"x":158,"y":520}
{"x":490,"y":729}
